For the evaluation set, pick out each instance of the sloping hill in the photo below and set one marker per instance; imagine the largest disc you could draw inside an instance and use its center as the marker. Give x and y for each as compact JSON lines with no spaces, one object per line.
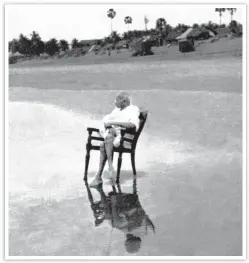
{"x":224,"y":47}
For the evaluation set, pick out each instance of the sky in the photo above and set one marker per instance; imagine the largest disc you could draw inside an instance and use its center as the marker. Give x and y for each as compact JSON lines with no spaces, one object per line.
{"x":85,"y":21}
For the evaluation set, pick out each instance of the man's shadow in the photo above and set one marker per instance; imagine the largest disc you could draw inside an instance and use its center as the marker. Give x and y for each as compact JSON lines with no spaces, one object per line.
{"x":124,"y":212}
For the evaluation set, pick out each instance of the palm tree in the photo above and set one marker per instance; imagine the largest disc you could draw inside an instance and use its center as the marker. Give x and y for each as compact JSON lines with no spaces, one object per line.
{"x":24,"y":45}
{"x":51,"y":46}
{"x":181,"y":27}
{"x":168,"y":28}
{"x":232,"y":11}
{"x":115,"y":37}
{"x":14,"y":46}
{"x":74,"y":43}
{"x":35,"y":36}
{"x":146,"y":21}
{"x":220,"y":10}
{"x":37,"y":45}
{"x":63,"y":45}
{"x":195,"y":25}
{"x":210,"y":24}
{"x":111,"y":13}
{"x":160,"y":24}
{"x":128,"y":20}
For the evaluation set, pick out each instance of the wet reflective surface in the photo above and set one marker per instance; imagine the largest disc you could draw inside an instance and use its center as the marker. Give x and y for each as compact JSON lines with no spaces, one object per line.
{"x":124,"y":212}
{"x":188,"y":195}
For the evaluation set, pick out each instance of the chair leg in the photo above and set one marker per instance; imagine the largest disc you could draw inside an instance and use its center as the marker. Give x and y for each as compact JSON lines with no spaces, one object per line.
{"x":133,"y":163}
{"x":90,"y":197}
{"x":119,"y":188}
{"x":119,"y":166}
{"x":87,"y":159}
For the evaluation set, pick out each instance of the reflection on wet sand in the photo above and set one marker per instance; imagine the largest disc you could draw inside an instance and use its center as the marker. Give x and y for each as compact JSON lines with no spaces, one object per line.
{"x":124,"y":212}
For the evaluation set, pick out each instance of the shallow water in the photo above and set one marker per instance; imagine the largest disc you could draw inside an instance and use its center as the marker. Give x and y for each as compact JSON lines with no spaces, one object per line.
{"x":208,"y":75}
{"x":188,"y":159}
{"x":47,"y":149}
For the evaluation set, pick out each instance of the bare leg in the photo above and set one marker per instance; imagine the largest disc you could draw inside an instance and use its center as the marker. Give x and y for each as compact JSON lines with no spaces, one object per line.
{"x":103,"y":157}
{"x":106,"y":152}
{"x":102,"y":160}
{"x":109,"y":153}
{"x":109,"y":150}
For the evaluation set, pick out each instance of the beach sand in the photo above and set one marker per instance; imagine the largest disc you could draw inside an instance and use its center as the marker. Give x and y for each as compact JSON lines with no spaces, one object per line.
{"x":189,"y":156}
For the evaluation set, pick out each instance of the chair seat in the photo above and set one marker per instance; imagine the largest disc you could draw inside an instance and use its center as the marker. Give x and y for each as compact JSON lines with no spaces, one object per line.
{"x":126,"y":148}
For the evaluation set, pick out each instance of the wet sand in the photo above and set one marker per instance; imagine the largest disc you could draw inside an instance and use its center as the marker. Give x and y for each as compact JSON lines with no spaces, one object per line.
{"x":188,"y":158}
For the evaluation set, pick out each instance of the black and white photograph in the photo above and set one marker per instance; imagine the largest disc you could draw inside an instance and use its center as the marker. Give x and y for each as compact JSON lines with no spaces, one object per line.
{"x":124,"y":131}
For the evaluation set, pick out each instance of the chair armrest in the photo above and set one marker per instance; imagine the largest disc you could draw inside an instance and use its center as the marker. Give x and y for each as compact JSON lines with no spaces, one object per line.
{"x":127,"y":140}
{"x":128,"y":131}
{"x":97,"y":138}
{"x":92,"y":129}
{"x":123,"y":132}
{"x":92,"y":138}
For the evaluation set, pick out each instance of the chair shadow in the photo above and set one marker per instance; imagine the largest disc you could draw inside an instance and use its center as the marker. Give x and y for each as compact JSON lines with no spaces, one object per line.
{"x":123,"y":211}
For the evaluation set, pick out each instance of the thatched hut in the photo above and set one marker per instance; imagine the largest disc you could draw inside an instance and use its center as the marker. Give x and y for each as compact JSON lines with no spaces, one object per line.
{"x":171,"y":37}
{"x":142,"y":46}
{"x":197,"y":33}
{"x":122,"y":44}
{"x":186,"y":45}
{"x":202,"y":33}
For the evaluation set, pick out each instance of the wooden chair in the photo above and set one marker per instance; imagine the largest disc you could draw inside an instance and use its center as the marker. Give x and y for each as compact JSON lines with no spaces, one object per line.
{"x":121,"y":149}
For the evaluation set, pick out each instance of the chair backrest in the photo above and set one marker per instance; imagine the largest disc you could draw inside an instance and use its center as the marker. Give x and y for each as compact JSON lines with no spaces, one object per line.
{"x":142,"y":117}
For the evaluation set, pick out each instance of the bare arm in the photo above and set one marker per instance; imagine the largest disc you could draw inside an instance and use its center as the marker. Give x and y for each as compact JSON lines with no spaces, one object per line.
{"x":120,"y":123}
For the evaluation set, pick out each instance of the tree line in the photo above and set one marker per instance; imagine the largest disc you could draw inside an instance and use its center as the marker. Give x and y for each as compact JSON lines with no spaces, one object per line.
{"x":35,"y":46}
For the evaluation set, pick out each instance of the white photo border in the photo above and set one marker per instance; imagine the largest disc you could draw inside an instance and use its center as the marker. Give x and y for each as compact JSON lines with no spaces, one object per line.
{"x":4,"y":95}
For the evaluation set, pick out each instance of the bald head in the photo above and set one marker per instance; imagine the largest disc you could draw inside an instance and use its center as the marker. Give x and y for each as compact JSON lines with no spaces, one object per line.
{"x":123,"y":99}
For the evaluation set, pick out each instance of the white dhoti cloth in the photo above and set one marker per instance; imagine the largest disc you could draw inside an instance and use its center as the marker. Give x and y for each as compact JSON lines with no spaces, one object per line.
{"x":128,"y":114}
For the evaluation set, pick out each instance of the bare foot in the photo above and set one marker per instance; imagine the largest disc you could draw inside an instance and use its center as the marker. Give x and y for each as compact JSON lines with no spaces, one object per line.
{"x":96,"y":182}
{"x":111,"y":174}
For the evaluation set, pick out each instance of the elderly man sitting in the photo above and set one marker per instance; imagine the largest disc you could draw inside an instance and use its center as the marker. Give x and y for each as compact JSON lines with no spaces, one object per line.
{"x":123,"y":116}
